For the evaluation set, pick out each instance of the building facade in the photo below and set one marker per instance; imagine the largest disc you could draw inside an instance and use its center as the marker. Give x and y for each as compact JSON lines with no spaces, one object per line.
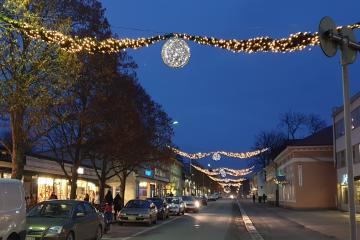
{"x":339,"y":153}
{"x":305,"y":173}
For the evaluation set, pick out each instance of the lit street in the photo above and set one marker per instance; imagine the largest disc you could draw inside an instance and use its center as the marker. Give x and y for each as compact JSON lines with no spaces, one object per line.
{"x":219,"y":220}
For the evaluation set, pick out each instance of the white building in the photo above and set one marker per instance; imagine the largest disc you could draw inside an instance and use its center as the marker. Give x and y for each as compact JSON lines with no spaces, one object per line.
{"x":339,"y":153}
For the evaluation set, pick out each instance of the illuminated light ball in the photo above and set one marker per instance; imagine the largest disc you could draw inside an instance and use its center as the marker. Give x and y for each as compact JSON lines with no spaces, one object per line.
{"x":216,"y":156}
{"x":227,"y":189}
{"x":222,"y":173}
{"x":175,"y":53}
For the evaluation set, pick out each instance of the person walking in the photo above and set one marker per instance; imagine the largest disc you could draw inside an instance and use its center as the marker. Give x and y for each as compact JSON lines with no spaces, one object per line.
{"x":254,"y":198}
{"x":109,"y":198}
{"x":117,"y":205}
{"x":264,"y":197}
{"x":87,"y":198}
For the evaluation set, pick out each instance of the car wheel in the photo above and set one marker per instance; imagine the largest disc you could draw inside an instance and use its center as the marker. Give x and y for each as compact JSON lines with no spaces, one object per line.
{"x":70,"y":236}
{"x":99,"y":233}
{"x":13,"y":237}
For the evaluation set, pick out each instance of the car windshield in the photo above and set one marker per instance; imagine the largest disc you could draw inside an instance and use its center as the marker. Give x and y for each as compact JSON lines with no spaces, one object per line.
{"x":172,"y":200}
{"x":188,"y":198}
{"x":51,"y":210}
{"x":138,"y":204}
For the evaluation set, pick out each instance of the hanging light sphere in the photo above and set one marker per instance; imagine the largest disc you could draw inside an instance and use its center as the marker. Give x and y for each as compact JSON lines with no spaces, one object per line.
{"x":227,"y":189}
{"x":175,"y":53}
{"x":222,"y":173}
{"x":216,"y":156}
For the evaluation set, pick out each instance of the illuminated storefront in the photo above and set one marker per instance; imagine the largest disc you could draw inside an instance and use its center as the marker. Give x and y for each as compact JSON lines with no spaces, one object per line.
{"x":61,"y":188}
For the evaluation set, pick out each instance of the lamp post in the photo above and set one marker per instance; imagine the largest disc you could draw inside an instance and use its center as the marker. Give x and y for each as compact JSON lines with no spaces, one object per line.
{"x":330,"y":39}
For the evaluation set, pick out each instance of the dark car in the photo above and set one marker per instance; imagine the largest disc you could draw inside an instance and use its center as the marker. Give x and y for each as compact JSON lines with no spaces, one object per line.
{"x":64,"y":220}
{"x":203,"y":200}
{"x":162,"y":207}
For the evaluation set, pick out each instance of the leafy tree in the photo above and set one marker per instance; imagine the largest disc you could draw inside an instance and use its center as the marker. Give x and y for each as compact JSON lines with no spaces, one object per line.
{"x":33,"y":76}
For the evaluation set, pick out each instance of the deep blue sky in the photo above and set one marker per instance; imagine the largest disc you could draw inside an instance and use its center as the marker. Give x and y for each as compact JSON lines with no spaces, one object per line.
{"x":221,"y":99}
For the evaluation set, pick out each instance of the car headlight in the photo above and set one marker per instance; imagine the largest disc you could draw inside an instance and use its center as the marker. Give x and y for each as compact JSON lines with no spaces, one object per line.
{"x":122,"y":214}
{"x":197,"y":204}
{"x":54,"y":230}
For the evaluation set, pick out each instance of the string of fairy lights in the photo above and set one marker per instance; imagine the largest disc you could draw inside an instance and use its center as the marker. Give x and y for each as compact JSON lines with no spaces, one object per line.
{"x":216,"y":156}
{"x":294,"y":42}
{"x":224,"y":171}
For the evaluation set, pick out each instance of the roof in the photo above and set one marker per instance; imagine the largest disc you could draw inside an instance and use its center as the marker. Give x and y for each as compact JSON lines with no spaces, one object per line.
{"x":324,"y":137}
{"x":340,"y":109}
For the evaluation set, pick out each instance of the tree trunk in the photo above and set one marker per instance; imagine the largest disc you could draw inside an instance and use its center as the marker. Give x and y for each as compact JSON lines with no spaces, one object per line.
{"x":101,"y":190}
{"x":18,"y":144}
{"x":74,"y":177}
{"x":122,"y":177}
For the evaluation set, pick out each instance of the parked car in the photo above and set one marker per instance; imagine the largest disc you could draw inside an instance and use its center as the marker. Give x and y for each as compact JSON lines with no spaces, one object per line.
{"x":213,"y":197}
{"x":12,"y":210}
{"x":191,"y":204}
{"x":64,"y":220}
{"x":203,"y":200}
{"x":162,"y":207}
{"x":176,"y":205}
{"x":143,"y":211}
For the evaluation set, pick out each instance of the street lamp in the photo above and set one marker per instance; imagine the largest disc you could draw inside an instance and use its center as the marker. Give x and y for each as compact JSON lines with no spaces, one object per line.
{"x":330,"y":39}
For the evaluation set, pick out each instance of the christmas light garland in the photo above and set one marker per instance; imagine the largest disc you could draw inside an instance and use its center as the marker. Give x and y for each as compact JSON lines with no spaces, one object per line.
{"x":228,"y":171}
{"x":218,"y":153}
{"x":295,"y":42}
{"x":227,"y":180}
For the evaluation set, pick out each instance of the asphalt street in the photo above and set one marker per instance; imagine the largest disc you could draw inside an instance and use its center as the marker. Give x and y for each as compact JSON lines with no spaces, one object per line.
{"x":219,"y":220}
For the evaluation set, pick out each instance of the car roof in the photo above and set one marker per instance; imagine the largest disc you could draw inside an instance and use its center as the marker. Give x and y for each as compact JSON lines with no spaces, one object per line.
{"x":71,"y":201}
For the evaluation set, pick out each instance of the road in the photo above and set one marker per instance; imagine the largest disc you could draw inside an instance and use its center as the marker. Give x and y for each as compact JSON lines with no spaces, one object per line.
{"x":219,"y":220}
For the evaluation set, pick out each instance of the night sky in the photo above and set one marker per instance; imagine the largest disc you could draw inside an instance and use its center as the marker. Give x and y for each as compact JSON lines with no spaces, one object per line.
{"x":223,"y":99}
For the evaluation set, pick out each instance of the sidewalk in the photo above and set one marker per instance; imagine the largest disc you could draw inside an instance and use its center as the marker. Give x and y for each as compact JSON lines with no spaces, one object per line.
{"x":327,"y":222}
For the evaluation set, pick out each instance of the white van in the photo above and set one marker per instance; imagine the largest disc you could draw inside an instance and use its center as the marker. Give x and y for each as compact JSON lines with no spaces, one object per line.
{"x":12,"y":210}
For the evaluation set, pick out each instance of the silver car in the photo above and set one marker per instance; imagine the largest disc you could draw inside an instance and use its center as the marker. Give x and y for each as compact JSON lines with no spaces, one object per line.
{"x":142,"y":211}
{"x":191,"y":204}
{"x":176,"y":205}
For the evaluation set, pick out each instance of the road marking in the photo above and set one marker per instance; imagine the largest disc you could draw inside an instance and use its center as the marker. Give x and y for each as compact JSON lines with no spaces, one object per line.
{"x":144,"y":231}
{"x":254,"y":234}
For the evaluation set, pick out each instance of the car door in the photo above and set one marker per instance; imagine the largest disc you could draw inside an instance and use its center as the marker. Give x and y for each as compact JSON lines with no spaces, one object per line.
{"x":92,"y":219}
{"x":81,"y":227}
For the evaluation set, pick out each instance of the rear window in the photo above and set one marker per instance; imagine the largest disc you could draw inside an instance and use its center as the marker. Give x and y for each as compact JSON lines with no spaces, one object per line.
{"x":11,"y":196}
{"x":188,"y":198}
{"x":172,"y":200}
{"x":138,"y":204}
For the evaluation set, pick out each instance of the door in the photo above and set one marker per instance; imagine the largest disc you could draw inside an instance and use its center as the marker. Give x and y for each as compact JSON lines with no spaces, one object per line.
{"x":92,"y":219}
{"x":81,"y":227}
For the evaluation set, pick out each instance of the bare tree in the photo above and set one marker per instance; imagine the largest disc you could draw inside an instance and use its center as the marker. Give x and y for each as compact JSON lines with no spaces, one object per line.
{"x":314,"y":123}
{"x":292,"y":122}
{"x":274,"y":140}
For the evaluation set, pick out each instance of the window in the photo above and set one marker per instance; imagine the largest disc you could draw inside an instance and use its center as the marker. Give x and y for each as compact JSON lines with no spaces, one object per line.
{"x":355,"y":118}
{"x":339,"y":128}
{"x":80,"y":211}
{"x":340,"y":159}
{"x":88,"y":208}
{"x":300,"y":175}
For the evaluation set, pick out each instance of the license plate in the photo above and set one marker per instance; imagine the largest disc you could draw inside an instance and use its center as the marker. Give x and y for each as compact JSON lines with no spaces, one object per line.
{"x":30,"y":238}
{"x":132,"y":217}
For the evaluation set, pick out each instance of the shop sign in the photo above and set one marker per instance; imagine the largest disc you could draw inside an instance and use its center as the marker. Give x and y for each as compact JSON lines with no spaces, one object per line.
{"x":148,"y":172}
{"x":344,"y":179}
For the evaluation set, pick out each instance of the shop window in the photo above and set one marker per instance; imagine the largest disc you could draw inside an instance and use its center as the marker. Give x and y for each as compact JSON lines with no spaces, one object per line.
{"x":345,"y":195}
{"x":357,"y":192}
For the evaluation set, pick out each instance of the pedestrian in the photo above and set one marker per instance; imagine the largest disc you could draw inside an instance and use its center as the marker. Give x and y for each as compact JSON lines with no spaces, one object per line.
{"x":264,"y":197}
{"x":254,"y":198}
{"x":87,"y":198}
{"x":53,"y":196}
{"x":109,"y":198}
{"x":259,"y":199}
{"x":108,"y":216}
{"x":117,"y":205}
